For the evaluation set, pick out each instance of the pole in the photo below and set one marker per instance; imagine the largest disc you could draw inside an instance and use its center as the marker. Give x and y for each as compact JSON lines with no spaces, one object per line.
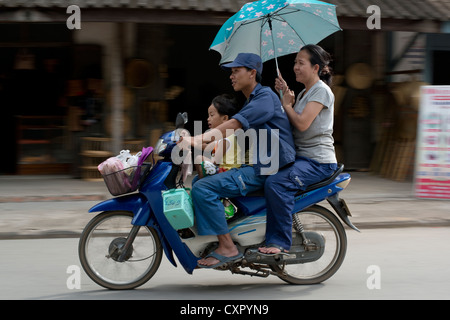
{"x":274,"y":48}
{"x":117,"y":91}
{"x":275,"y":52}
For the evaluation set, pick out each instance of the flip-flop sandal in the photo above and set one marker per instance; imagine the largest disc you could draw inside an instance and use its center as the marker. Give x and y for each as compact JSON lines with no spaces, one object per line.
{"x":222,"y":260}
{"x":272,"y":245}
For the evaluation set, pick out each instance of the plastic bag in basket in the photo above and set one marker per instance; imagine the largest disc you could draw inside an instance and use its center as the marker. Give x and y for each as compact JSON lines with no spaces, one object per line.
{"x":110,"y":165}
{"x":144,"y":155}
{"x":115,"y":177}
{"x":122,"y":173}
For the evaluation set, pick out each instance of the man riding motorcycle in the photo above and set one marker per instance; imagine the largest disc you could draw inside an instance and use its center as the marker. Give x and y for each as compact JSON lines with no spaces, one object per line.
{"x":262,"y":110}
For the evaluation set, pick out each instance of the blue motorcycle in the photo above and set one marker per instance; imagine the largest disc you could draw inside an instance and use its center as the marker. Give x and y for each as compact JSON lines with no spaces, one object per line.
{"x":122,"y":247}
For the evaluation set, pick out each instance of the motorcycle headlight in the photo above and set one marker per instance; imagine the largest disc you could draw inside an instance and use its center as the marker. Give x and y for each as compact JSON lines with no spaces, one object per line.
{"x":160,"y":146}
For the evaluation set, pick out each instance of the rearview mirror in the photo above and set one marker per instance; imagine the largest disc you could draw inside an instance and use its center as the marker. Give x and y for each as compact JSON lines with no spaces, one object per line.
{"x":182,"y":119}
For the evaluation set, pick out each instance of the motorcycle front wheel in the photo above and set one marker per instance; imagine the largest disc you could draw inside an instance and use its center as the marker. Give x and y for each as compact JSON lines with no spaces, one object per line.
{"x":101,"y":256}
{"x":321,"y":221}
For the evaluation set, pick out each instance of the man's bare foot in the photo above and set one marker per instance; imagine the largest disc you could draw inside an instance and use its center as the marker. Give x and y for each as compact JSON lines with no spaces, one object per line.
{"x":272,"y":249}
{"x":269,"y":250}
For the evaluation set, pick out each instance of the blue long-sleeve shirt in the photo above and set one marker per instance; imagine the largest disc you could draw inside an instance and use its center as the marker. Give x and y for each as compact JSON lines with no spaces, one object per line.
{"x":264,"y":121}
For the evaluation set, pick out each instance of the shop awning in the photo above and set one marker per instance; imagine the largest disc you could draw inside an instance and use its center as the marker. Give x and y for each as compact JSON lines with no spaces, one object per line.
{"x":404,"y":14}
{"x":399,"y":9}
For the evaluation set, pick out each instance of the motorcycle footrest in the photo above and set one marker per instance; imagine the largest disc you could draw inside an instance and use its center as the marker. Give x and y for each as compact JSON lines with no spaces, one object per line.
{"x":254,"y":256}
{"x":296,"y":255}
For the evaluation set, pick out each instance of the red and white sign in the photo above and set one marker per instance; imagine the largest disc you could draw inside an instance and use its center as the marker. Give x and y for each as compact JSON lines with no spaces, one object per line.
{"x":432,"y":178}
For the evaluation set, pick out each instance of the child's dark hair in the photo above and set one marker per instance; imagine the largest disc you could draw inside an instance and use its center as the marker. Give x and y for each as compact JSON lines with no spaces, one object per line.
{"x":225,"y":105}
{"x":321,"y":58}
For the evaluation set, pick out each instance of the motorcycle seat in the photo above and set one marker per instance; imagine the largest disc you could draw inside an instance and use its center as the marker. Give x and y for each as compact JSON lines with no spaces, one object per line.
{"x":339,"y":170}
{"x":324,"y":182}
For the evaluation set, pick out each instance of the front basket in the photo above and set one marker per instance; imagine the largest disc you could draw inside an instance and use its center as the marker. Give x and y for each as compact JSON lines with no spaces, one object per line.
{"x":126,"y":180}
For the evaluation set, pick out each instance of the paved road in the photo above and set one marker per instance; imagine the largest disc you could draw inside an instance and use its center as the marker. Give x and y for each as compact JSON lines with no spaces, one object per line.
{"x":35,"y":206}
{"x":403,"y":263}
{"x":68,"y":218}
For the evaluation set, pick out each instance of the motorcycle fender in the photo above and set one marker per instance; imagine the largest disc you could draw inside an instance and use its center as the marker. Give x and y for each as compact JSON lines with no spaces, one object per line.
{"x":138,"y":204}
{"x":341,"y":208}
{"x":135,"y":203}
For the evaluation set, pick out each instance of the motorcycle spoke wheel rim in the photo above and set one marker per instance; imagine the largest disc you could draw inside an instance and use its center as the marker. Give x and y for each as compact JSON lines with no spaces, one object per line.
{"x":109,"y":270}
{"x":329,"y":262}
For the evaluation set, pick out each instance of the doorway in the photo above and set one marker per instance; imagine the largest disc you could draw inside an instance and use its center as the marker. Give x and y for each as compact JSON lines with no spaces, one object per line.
{"x":35,"y":60}
{"x":441,"y":67}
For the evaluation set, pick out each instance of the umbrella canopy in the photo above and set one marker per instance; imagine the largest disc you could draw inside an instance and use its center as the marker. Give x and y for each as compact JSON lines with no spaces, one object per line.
{"x":274,"y":28}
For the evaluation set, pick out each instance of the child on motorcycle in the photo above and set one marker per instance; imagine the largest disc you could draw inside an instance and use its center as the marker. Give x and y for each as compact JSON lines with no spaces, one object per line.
{"x":224,"y":152}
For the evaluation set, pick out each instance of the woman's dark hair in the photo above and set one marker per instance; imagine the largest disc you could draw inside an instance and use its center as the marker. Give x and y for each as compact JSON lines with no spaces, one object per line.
{"x":226,"y":105}
{"x":322,"y":58}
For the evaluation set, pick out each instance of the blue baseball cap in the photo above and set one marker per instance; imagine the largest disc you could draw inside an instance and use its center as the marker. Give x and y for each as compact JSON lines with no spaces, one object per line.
{"x":249,"y":60}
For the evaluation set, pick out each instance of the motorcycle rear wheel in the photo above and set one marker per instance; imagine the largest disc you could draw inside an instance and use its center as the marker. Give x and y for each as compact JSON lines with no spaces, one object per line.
{"x":99,"y":251}
{"x":320,"y":220}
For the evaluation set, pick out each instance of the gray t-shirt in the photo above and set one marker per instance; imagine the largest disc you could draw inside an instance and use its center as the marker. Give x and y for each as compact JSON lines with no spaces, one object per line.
{"x":317,"y":141}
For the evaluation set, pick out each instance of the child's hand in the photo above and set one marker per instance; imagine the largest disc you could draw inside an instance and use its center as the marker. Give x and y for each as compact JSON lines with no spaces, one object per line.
{"x":185,"y":142}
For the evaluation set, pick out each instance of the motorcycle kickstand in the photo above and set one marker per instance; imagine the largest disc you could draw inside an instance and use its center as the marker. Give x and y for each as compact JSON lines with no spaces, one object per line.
{"x":130,"y":239}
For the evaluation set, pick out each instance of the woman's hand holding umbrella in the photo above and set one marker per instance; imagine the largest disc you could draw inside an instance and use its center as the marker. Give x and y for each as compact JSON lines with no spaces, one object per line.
{"x":287,"y":95}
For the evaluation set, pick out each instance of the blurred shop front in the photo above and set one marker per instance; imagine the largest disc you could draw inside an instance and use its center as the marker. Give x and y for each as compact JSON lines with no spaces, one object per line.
{"x":50,"y":88}
{"x":72,"y":98}
{"x":35,"y":62}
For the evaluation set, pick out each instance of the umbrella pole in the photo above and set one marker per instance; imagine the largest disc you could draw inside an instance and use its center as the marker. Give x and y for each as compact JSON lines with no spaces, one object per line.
{"x":275,"y":53}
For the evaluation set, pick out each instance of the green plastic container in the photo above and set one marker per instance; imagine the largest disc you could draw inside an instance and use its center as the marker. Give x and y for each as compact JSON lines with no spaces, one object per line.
{"x":178,"y":208}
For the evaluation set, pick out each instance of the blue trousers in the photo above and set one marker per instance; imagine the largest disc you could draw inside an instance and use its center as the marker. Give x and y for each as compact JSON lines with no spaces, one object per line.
{"x":207,"y":192}
{"x":280,"y":190}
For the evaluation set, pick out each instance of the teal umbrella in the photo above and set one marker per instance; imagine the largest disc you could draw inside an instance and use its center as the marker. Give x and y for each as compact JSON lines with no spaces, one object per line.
{"x":274,"y":28}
